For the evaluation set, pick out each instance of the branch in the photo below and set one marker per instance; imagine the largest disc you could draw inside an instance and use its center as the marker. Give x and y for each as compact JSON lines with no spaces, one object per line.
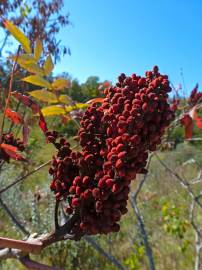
{"x":97,"y":247}
{"x":183,"y":183}
{"x":144,"y":235}
{"x":9,"y":95}
{"x":136,"y":193}
{"x":30,"y":264}
{"x":13,"y":218}
{"x":25,"y":176}
{"x":8,"y":253}
{"x":140,"y":220}
{"x":4,"y":43}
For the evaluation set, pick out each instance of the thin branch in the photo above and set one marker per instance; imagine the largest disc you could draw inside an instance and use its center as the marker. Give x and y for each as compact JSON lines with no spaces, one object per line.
{"x":4,"y":43}
{"x":13,"y":218}
{"x":9,"y":95}
{"x":141,"y":183}
{"x":35,"y":245}
{"x":184,"y":183}
{"x":144,"y":235}
{"x":30,"y":264}
{"x":97,"y":247}
{"x":140,"y":220}
{"x":8,"y":253}
{"x":56,"y":214}
{"x":22,"y":178}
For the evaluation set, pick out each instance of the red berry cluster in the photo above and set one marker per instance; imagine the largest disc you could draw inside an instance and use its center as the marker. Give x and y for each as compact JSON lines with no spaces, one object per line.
{"x":8,"y":138}
{"x":115,"y":139}
{"x":195,"y":96}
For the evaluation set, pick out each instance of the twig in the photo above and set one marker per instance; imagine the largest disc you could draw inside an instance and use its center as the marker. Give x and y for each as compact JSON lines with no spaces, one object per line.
{"x":97,"y":247}
{"x":136,"y":193}
{"x":25,"y":176}
{"x":140,"y":220}
{"x":56,"y":214}
{"x":184,"y":183}
{"x":8,"y":253}
{"x":9,"y":95}
{"x":144,"y":235}
{"x":30,"y":264}
{"x":13,"y":218}
{"x":4,"y":43}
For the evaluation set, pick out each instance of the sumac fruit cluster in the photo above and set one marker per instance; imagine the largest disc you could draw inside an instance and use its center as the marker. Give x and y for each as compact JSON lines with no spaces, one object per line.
{"x":116,"y":138}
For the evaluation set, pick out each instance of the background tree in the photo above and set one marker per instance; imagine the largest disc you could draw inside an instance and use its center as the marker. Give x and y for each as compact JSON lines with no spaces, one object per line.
{"x":38,"y":19}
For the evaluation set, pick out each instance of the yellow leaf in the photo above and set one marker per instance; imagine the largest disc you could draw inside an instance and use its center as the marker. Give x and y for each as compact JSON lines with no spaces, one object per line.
{"x":17,"y":34}
{"x":44,"y":96}
{"x":76,"y":106}
{"x":33,"y":68}
{"x":60,"y":84}
{"x":38,"y":49}
{"x":53,"y":110}
{"x":65,"y":99}
{"x":37,"y":80}
{"x":48,"y":65}
{"x":24,"y":59}
{"x":81,"y":105}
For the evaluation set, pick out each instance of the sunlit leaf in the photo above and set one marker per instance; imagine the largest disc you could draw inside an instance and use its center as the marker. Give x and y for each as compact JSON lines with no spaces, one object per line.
{"x":17,"y":34}
{"x":44,"y":96}
{"x":64,"y":99}
{"x":60,"y":84}
{"x":12,"y":151}
{"x":48,"y":65}
{"x":53,"y":110}
{"x":15,"y":117}
{"x":76,"y":106}
{"x":37,"y":80}
{"x":23,"y":59}
{"x":33,"y":68}
{"x":38,"y":49}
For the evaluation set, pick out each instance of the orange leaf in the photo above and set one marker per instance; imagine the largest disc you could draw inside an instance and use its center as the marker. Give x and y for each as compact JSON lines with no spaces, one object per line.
{"x":15,"y":117}
{"x":12,"y":151}
{"x":95,"y":100}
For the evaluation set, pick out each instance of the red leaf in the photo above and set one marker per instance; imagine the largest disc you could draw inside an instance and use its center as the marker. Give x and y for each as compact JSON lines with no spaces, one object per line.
{"x":15,"y":117}
{"x":42,"y":123}
{"x":12,"y":151}
{"x":197,"y":119}
{"x":187,"y":122}
{"x":35,"y":108}
{"x":27,"y":101}
{"x":25,"y":132}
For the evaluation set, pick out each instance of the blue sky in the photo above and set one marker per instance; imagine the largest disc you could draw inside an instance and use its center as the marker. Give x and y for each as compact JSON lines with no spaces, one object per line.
{"x":114,"y":36}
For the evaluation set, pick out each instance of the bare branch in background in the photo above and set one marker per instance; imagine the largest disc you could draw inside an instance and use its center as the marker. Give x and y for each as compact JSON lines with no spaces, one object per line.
{"x":22,"y":178}
{"x":97,"y":247}
{"x":140,"y":219}
{"x":183,"y":182}
{"x":13,"y":218}
{"x":194,"y":202}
